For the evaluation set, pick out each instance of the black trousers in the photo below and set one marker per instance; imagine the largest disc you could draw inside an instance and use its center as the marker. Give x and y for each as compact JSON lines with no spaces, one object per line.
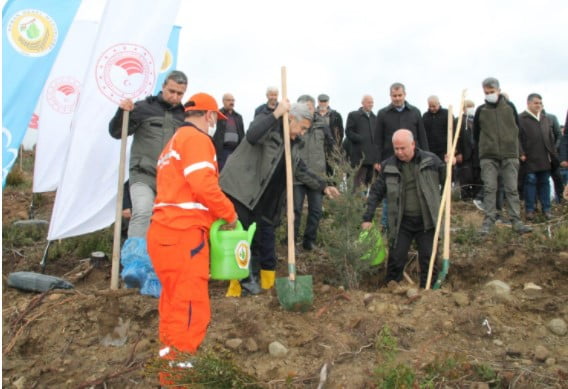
{"x":411,"y":228}
{"x":470,"y":180}
{"x":263,"y":250}
{"x":365,"y":175}
{"x":315,"y":200}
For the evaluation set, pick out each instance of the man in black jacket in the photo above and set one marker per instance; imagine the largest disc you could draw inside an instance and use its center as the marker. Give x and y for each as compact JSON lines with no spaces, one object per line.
{"x":271,"y":101}
{"x":230,"y":132}
{"x":153,"y":122}
{"x":331,"y":118}
{"x":399,"y":114}
{"x":360,"y":130}
{"x":436,"y":126}
{"x":467,"y":158}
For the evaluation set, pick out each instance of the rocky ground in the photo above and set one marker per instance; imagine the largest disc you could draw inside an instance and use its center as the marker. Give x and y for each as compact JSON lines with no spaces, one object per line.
{"x":499,"y":321}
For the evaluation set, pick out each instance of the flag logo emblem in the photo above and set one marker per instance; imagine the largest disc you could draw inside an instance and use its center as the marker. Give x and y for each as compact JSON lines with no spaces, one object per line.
{"x":62,"y":94}
{"x":125,"y":71}
{"x":32,"y":32}
{"x":242,"y":254}
{"x":168,"y":61}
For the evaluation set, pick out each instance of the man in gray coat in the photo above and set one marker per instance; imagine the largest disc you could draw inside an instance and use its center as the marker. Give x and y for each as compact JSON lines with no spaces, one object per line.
{"x":254,"y":178}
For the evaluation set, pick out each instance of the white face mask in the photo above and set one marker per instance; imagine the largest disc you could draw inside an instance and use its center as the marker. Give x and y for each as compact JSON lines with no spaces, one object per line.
{"x":212,"y":127}
{"x":492,"y":98}
{"x":470,"y":111}
{"x":212,"y":130}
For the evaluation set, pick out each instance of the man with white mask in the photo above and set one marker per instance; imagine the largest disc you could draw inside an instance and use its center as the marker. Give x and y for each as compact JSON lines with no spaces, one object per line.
{"x":496,"y":133}
{"x":467,"y":158}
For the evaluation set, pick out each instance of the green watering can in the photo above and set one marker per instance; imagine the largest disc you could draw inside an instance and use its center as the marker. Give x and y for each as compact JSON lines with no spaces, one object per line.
{"x":230,"y":251}
{"x":377,"y":253}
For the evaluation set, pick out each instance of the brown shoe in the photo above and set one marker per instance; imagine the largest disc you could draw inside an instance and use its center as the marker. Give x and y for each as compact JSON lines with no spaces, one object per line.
{"x":529,"y":216}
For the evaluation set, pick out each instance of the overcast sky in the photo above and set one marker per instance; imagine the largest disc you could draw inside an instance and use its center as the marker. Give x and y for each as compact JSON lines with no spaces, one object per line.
{"x":347,"y":49}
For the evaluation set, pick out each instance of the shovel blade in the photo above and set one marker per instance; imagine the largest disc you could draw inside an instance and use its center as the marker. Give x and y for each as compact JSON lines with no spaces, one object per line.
{"x":295,"y":295}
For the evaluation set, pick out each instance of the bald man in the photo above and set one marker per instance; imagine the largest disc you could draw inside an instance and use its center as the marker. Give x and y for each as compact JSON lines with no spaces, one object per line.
{"x":436,"y":126}
{"x":229,"y":132}
{"x":410,"y":180}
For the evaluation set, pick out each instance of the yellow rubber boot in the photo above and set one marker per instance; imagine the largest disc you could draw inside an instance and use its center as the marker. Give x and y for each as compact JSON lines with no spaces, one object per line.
{"x":234,"y":289}
{"x":267,"y":279}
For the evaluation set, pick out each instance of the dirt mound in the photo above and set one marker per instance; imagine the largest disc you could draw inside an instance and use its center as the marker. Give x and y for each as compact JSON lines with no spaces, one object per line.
{"x":465,"y":335}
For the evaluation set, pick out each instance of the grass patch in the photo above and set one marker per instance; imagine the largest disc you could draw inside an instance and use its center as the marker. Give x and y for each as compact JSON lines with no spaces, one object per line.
{"x":209,"y":371}
{"x":82,"y":246}
{"x":22,"y":236}
{"x":446,"y":369}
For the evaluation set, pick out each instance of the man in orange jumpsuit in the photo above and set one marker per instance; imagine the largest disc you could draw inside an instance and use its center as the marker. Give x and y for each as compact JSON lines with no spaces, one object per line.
{"x":188,"y":200}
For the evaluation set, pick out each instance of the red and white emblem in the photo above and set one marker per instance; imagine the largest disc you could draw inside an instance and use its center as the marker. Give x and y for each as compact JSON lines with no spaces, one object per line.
{"x":125,"y":71}
{"x":62,"y":94}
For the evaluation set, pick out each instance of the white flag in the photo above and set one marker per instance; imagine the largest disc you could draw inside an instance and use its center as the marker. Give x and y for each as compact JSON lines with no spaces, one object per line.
{"x":57,"y":104}
{"x":133,"y":36}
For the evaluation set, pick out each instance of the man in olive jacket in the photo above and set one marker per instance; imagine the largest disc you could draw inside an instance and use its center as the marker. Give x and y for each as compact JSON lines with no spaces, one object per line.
{"x":496,"y":132}
{"x":254,"y":178}
{"x":152,"y":122}
{"x":410,"y":181}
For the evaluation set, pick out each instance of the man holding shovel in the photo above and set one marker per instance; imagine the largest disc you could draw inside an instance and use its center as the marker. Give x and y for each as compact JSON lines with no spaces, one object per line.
{"x":410,"y":180}
{"x":254,"y":178}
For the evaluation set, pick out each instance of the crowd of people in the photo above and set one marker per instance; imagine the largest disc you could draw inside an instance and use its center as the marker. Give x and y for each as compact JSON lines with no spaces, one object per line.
{"x":193,"y":163}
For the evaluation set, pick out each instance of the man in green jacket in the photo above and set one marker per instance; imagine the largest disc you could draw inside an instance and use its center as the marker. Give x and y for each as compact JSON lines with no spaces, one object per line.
{"x":496,"y":132}
{"x":410,"y":181}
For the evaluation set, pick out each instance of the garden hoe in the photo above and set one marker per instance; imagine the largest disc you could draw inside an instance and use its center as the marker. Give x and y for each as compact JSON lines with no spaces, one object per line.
{"x":295,"y":293}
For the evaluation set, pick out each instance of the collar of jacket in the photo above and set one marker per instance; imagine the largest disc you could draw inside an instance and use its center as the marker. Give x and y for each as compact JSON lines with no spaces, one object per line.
{"x":499,"y":100}
{"x":226,"y":112}
{"x":532,"y":116}
{"x":160,"y":99}
{"x":406,"y":107}
{"x":420,"y":158}
{"x":364,"y":113}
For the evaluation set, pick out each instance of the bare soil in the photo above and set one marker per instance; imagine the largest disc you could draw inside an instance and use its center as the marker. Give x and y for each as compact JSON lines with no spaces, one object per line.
{"x":60,"y":339}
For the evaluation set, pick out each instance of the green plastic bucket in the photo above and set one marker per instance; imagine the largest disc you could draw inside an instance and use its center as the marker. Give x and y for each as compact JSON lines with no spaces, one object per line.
{"x":230,"y":251}
{"x":378,"y":252}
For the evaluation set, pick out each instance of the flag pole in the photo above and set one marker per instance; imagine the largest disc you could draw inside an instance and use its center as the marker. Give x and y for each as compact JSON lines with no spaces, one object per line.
{"x":120,"y":194}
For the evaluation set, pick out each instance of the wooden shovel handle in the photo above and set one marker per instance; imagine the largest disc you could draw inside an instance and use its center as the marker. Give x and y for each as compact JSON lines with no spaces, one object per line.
{"x":289,"y":184}
{"x":446,"y":194}
{"x":120,"y":193}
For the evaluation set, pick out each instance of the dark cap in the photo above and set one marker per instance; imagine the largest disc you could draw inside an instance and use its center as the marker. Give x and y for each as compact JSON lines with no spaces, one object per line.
{"x":323,"y":97}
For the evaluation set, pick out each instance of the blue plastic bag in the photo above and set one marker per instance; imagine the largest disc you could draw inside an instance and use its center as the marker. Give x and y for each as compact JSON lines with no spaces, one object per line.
{"x":137,"y":270}
{"x":152,"y":286}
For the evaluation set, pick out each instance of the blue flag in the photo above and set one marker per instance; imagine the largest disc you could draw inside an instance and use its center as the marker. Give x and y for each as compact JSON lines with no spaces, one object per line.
{"x":170,"y":59}
{"x":33,"y":32}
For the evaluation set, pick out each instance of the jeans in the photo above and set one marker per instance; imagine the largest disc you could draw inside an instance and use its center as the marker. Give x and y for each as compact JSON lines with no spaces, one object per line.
{"x":142,"y":197}
{"x":315,"y":199}
{"x":384,"y":215}
{"x":508,"y":169}
{"x":537,"y":183}
{"x":411,"y":228}
{"x":564,"y":175}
